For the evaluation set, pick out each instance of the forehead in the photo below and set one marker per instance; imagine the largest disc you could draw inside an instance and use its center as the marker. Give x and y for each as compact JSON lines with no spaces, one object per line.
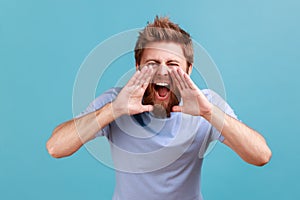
{"x":163,"y":51}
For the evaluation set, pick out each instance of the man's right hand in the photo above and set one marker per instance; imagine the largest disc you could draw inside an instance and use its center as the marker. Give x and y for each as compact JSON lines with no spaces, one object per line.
{"x":129,"y":100}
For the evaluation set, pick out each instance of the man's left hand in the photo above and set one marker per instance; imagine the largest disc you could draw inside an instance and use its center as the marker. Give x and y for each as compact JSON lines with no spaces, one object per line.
{"x":194,"y":101}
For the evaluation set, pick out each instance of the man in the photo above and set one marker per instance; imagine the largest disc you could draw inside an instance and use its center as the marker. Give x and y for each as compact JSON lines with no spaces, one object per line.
{"x":160,"y":123}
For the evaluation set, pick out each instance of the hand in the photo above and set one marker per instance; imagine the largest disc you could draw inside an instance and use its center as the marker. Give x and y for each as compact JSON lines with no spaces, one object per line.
{"x":194,"y":101}
{"x":129,"y":100}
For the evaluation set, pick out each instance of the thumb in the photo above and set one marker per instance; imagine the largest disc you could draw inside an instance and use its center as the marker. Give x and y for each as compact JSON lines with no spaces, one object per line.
{"x":177,"y":108}
{"x":147,"y":108}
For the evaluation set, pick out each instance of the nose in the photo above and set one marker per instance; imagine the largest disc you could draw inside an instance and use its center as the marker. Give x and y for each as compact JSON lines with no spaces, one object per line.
{"x":162,"y":71}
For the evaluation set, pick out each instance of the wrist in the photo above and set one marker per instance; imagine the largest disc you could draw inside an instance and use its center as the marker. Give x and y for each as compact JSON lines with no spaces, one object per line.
{"x":207,"y":113}
{"x":117,"y":110}
{"x":216,"y":117}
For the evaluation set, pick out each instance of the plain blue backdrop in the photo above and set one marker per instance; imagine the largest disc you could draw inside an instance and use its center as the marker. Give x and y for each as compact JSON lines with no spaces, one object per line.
{"x":255,"y":45}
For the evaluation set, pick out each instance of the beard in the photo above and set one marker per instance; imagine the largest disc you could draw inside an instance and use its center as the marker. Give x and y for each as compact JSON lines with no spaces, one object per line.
{"x":161,"y":109}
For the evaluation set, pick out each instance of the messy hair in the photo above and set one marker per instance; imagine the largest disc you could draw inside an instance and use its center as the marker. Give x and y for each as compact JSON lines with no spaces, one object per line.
{"x":162,"y":29}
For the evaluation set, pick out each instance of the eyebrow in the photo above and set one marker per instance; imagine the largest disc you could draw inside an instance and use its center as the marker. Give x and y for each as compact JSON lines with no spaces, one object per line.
{"x":158,"y":61}
{"x":169,"y":61}
{"x":155,"y":60}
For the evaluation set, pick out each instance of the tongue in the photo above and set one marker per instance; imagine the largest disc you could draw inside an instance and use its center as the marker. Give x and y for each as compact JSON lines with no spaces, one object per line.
{"x":162,"y":91}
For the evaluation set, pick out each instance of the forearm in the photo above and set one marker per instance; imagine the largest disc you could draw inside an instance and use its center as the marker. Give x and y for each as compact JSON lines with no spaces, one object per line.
{"x":246,"y":142}
{"x":68,"y":137}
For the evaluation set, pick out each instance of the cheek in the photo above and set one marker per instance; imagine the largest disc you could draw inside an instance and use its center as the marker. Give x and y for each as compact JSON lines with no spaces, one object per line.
{"x":185,"y":69}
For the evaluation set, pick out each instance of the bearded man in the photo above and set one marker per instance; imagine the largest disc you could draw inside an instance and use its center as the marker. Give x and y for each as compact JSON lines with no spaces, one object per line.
{"x":160,"y":123}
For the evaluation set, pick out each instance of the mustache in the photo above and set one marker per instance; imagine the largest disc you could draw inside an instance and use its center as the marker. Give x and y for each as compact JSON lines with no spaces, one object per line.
{"x":162,"y":80}
{"x":166,"y":81}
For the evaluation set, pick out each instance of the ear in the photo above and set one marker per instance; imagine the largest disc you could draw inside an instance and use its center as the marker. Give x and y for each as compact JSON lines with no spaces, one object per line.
{"x":136,"y":66}
{"x":190,"y":69}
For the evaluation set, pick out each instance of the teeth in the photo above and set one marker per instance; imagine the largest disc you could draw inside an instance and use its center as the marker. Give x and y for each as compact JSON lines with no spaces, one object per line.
{"x":162,"y":84}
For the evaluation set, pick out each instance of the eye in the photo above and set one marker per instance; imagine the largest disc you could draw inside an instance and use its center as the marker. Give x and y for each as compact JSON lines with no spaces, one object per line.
{"x":174,"y":64}
{"x":152,"y":64}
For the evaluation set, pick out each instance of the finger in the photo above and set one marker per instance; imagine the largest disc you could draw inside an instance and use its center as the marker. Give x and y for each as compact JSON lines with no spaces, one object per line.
{"x":189,"y":82}
{"x":148,"y":78}
{"x":140,"y":79}
{"x":145,"y":77}
{"x":177,"y":108}
{"x":176,"y":78}
{"x":147,"y":108}
{"x":182,"y":79}
{"x":133,"y":79}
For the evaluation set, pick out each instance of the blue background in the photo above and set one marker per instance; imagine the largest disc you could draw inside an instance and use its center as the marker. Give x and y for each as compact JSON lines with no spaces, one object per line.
{"x":255,"y":45}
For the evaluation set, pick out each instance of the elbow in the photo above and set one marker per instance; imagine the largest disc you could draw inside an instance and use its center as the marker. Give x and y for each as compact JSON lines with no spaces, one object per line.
{"x":53,"y":145}
{"x":57,"y":151}
{"x":265,"y":158}
{"x":51,"y":150}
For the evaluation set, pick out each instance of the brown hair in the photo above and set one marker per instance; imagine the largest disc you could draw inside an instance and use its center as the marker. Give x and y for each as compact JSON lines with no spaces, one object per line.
{"x":162,"y":29}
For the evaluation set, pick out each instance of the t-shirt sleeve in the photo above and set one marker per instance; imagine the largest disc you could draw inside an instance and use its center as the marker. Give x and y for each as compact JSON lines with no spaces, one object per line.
{"x":218,"y":101}
{"x":213,"y":134}
{"x":98,"y":103}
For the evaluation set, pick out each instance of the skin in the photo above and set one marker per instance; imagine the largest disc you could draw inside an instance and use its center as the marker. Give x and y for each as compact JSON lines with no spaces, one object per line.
{"x":246,"y":142}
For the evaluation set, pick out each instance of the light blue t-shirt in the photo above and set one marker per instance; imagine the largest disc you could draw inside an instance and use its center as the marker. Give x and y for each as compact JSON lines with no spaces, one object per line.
{"x":158,"y":158}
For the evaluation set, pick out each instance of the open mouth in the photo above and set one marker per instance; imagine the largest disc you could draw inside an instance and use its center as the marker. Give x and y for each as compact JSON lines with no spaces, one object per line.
{"x":162,"y":90}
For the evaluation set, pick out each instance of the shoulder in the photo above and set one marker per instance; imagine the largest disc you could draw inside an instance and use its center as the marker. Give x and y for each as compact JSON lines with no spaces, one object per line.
{"x":110,"y":93}
{"x":107,"y":96}
{"x":220,"y":102}
{"x":211,"y":95}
